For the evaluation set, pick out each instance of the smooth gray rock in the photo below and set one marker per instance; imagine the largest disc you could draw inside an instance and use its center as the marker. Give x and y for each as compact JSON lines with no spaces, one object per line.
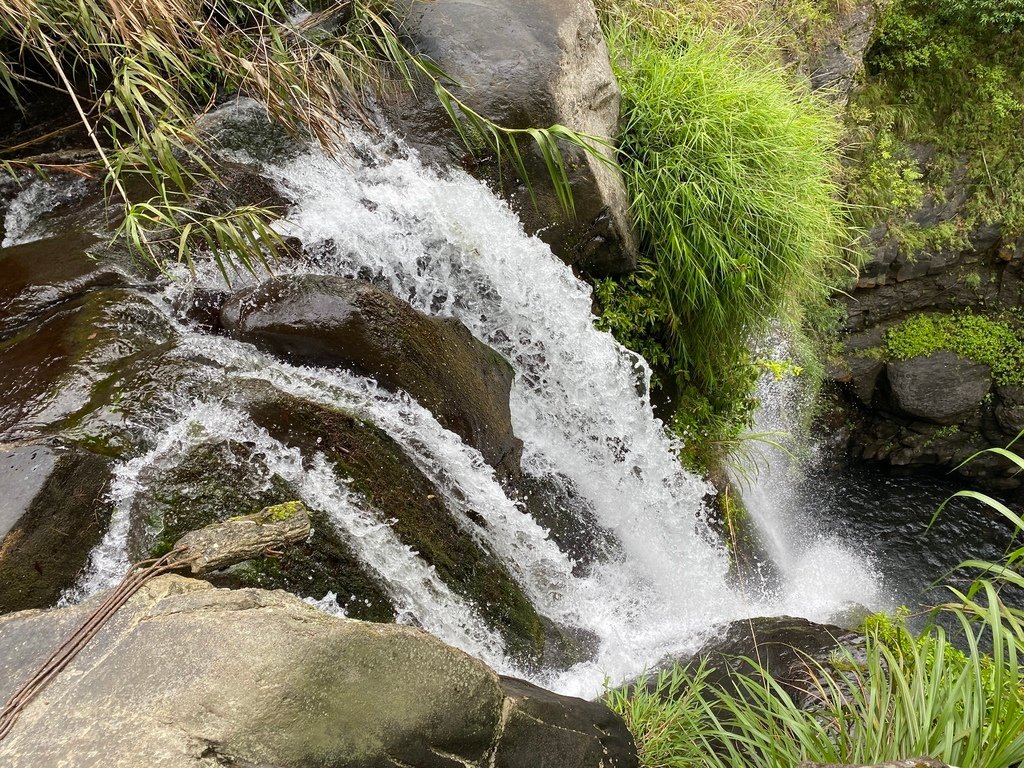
{"x":528,"y":63}
{"x":942,"y":387}
{"x":187,"y":676}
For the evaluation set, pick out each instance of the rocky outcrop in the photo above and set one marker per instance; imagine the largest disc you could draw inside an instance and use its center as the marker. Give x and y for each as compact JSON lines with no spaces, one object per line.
{"x":214,"y":482}
{"x":414,"y":507}
{"x":254,"y":678}
{"x":334,"y":321}
{"x":833,"y":54}
{"x":52,"y":512}
{"x":942,"y":387}
{"x":525,"y":64}
{"x":931,"y":412}
{"x":786,"y":647}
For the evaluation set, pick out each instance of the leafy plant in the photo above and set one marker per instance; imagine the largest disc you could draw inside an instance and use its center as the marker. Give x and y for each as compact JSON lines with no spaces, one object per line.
{"x":136,"y":74}
{"x":731,"y":169}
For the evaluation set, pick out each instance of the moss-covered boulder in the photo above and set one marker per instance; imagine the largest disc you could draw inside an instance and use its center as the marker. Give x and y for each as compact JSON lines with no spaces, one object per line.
{"x":414,"y":507}
{"x":214,"y":482}
{"x":334,"y":321}
{"x":52,"y":512}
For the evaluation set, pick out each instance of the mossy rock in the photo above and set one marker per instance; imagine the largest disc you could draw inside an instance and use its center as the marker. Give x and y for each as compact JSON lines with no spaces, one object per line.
{"x":218,"y":481}
{"x":393,"y":485}
{"x":54,"y":512}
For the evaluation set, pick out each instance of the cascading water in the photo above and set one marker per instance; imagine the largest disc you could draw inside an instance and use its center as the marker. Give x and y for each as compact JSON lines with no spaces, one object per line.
{"x":814,"y":571}
{"x":444,"y":243}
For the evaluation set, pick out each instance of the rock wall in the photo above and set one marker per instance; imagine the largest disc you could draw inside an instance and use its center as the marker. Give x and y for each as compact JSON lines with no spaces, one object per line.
{"x":934,"y":411}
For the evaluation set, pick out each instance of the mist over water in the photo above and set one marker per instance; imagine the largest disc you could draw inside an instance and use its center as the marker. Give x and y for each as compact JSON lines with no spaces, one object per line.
{"x":447,"y":245}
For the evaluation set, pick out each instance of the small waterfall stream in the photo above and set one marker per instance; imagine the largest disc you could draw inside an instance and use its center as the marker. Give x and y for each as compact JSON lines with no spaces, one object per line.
{"x":447,"y":245}
{"x":814,"y":569}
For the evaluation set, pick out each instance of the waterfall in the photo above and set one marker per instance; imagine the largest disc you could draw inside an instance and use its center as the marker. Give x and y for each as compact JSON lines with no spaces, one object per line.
{"x":443,"y":242}
{"x":815,"y":571}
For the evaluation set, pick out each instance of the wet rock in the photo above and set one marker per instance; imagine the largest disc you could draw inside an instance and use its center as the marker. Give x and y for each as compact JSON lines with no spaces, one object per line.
{"x":528,"y":64}
{"x":788,"y":648}
{"x":942,"y":387}
{"x":52,"y":512}
{"x":254,"y":678}
{"x":215,"y":482}
{"x":570,"y":520}
{"x":44,"y":273}
{"x":51,"y":370}
{"x":414,"y":507}
{"x":1009,"y":410}
{"x":544,"y":728}
{"x":335,"y":321}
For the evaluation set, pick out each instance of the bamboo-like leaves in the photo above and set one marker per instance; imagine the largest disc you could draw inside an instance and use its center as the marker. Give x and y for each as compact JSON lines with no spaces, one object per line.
{"x":139,"y":72}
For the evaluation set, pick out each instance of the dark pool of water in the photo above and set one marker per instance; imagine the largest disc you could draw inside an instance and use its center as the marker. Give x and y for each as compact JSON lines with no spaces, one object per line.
{"x":889,"y":517}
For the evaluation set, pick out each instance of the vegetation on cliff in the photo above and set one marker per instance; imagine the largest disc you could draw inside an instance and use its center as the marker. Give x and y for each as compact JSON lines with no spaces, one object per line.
{"x":732,"y":168}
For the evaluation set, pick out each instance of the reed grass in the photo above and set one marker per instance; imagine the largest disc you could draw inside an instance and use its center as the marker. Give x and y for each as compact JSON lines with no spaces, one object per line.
{"x":138,"y":72}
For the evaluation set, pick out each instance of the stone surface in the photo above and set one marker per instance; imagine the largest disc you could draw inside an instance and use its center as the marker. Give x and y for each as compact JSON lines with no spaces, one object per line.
{"x":837,"y":53}
{"x":52,"y":512}
{"x":942,"y":387}
{"x":51,"y":368}
{"x":253,"y":678}
{"x":212,"y":483}
{"x":528,"y":63}
{"x":787,"y":647}
{"x":414,"y":507}
{"x":335,"y":321}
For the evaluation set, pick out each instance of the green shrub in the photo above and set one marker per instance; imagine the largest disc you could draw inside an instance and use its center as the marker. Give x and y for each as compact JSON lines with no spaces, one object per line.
{"x":995,"y":343}
{"x":730,"y":167}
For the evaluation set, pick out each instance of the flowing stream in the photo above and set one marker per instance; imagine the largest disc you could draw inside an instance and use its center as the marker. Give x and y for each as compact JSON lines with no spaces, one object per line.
{"x":447,"y":245}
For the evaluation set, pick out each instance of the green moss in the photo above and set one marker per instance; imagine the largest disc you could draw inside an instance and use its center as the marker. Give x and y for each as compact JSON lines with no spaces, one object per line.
{"x":997,"y":343}
{"x":284,"y":511}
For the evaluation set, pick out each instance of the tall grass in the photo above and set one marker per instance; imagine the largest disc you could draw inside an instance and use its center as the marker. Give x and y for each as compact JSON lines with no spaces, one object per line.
{"x":908,"y":697}
{"x":137,"y":72}
{"x":732,"y":171}
{"x":731,"y":166}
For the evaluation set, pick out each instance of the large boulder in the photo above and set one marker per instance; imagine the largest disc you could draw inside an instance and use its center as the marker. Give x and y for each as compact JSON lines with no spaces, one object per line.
{"x":52,"y":512}
{"x":213,"y":482}
{"x":334,"y":321}
{"x":942,"y":387}
{"x":528,"y":63}
{"x":255,"y":678}
{"x":788,"y":648}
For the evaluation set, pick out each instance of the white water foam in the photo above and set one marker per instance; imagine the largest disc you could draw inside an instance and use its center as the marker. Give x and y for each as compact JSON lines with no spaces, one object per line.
{"x":579,"y":403}
{"x":819,"y":574}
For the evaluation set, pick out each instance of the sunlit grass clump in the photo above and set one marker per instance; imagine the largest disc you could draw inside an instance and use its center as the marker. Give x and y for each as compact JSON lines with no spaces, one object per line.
{"x":732,"y":169}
